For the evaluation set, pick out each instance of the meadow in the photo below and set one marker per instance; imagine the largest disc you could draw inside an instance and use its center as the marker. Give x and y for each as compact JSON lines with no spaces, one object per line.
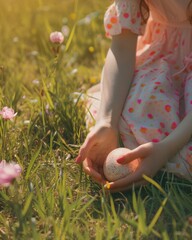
{"x":53,"y":198}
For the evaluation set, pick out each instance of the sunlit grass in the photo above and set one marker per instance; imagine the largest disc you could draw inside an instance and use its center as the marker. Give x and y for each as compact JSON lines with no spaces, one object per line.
{"x":53,"y":199}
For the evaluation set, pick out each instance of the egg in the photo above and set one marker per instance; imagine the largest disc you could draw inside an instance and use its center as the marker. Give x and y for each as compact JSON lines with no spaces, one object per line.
{"x":113,"y":170}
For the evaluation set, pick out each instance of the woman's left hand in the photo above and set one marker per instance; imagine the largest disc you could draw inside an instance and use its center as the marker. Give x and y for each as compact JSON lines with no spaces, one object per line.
{"x":153,"y":157}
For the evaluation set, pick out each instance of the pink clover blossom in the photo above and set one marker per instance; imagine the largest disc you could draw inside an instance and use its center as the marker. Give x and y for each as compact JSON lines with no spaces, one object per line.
{"x":8,"y":172}
{"x":7,"y":113}
{"x":56,"y":37}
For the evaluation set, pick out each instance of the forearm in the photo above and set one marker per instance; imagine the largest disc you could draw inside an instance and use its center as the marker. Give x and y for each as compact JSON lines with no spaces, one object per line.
{"x":117,"y":77}
{"x":179,"y":137}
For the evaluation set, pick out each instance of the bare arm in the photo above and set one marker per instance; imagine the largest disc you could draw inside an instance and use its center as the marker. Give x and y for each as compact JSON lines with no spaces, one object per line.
{"x":117,"y":76}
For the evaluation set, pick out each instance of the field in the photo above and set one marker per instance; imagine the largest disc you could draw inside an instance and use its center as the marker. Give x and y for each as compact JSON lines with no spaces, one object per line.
{"x":53,"y":198}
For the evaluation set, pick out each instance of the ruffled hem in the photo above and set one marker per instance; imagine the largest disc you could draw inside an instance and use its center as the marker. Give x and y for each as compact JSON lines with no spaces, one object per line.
{"x":123,"y":14}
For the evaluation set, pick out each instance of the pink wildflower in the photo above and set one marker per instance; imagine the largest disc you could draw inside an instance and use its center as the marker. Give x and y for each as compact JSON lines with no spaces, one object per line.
{"x":8,"y":172}
{"x":56,"y":37}
{"x":7,"y":113}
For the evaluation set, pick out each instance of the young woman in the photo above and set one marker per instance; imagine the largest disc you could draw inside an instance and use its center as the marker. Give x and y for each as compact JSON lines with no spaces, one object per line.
{"x":145,"y":95}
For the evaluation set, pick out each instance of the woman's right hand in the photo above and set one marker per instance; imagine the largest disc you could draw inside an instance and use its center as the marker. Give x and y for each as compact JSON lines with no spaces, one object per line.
{"x":100,"y":141}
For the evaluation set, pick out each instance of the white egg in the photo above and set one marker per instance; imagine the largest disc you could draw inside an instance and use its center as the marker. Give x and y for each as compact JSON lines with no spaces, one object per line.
{"x":113,"y":170}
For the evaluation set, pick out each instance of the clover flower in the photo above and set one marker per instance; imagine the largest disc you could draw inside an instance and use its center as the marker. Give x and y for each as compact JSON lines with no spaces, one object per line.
{"x":8,"y":172}
{"x":56,"y":37}
{"x":7,"y":113}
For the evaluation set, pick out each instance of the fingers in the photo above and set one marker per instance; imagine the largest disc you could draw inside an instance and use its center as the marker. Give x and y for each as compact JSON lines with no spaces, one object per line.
{"x":85,"y":148}
{"x":92,"y":171}
{"x":132,"y":155}
{"x":139,"y":152}
{"x":126,"y":182}
{"x":129,"y":186}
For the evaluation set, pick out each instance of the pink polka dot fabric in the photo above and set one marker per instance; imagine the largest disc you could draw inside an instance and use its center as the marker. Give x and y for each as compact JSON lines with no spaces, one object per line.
{"x":123,"y":14}
{"x":161,"y":93}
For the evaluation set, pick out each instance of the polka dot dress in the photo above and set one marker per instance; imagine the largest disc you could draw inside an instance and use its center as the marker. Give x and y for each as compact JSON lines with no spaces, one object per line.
{"x":161,"y":91}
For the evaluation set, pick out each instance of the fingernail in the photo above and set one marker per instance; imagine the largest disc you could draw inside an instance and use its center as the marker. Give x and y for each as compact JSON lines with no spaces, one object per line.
{"x":88,"y":169}
{"x":121,"y":160}
{"x":78,"y":159}
{"x":107,"y":186}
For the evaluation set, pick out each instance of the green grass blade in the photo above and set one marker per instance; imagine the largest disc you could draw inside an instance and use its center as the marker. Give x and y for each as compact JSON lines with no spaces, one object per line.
{"x":135,"y":207}
{"x":141,"y":217}
{"x":27,"y":205}
{"x":83,"y":209}
{"x":70,"y":37}
{"x":32,"y":162}
{"x":157,"y":215}
{"x":48,"y":95}
{"x":154,"y":183}
{"x":130,"y":222}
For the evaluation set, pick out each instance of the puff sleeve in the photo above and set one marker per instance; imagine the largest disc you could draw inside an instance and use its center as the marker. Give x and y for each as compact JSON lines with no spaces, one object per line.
{"x":123,"y":14}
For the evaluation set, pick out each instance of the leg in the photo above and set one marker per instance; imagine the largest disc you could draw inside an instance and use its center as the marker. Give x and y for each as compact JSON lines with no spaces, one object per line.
{"x":181,"y":164}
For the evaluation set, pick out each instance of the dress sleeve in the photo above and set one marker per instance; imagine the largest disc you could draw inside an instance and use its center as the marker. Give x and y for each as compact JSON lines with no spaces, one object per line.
{"x":123,"y":14}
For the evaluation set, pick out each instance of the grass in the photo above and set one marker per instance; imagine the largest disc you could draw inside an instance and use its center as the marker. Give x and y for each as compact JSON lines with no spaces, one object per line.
{"x":54,"y":199}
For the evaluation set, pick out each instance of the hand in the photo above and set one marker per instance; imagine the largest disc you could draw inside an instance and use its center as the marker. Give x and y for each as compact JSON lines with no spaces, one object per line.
{"x":101,"y":140}
{"x":152,"y":157}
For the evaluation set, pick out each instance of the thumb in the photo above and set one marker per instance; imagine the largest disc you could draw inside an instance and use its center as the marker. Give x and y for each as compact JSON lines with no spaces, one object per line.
{"x":139,"y":152}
